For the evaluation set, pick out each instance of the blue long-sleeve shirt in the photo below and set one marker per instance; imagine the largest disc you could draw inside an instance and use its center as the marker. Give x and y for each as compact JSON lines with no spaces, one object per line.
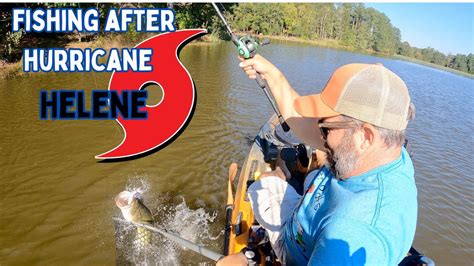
{"x":368,"y":219}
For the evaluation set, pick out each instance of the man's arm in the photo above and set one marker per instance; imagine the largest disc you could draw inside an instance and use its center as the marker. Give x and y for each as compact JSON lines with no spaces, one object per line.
{"x":346,"y":242}
{"x":304,"y":128}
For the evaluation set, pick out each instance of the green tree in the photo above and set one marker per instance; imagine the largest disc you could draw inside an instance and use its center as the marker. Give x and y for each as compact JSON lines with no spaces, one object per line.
{"x":386,"y":38}
{"x":290,"y":18}
{"x":325,"y":14}
{"x":406,"y":50}
{"x":460,"y":62}
{"x":347,"y":33}
{"x":438,"y":58}
{"x":470,"y":63}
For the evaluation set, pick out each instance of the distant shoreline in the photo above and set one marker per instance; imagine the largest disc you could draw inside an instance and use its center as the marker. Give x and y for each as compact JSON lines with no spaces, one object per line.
{"x":14,"y":69}
{"x":421,"y":62}
{"x":334,"y":44}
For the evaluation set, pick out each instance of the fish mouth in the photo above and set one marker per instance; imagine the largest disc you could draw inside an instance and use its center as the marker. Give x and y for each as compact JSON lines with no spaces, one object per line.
{"x":123,"y":199}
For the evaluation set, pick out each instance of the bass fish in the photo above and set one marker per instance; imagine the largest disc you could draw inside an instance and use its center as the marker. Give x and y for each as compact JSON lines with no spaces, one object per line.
{"x":134,"y":210}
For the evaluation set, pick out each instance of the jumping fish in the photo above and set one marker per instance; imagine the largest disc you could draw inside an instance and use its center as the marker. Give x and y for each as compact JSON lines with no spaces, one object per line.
{"x":134,"y":210}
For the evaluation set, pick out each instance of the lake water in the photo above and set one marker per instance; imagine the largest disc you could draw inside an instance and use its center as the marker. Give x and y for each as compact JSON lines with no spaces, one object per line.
{"x":56,"y":200}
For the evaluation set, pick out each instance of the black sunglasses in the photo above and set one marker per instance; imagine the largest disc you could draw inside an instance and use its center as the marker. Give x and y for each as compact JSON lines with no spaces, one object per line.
{"x":325,"y":127}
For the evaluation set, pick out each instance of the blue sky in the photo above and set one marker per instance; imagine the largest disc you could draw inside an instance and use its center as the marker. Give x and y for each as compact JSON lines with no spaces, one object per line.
{"x":447,"y":27}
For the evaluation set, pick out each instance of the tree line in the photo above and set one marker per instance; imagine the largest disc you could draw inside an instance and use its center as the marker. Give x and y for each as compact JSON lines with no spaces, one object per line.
{"x":351,"y":25}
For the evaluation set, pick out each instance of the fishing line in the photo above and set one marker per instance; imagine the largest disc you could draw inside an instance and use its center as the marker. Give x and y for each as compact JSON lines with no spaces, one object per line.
{"x":247,"y":48}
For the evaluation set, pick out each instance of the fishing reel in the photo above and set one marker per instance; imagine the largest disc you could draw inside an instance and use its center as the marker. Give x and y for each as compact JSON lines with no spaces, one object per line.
{"x":296,"y":158}
{"x":294,"y":155}
{"x":247,"y":46}
{"x":259,"y":250}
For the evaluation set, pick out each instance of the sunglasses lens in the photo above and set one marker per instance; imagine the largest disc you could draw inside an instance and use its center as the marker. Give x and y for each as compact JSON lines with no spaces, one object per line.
{"x":324,"y":132}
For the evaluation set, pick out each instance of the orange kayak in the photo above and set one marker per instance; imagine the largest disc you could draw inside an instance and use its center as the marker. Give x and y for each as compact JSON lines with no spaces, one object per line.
{"x":241,"y":225}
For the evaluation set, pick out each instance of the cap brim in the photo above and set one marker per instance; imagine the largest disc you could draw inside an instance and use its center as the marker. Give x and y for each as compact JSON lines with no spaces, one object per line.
{"x":313,"y":106}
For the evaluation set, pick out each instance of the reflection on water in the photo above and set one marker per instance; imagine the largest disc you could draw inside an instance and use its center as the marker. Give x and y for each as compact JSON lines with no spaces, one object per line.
{"x":57,"y":201}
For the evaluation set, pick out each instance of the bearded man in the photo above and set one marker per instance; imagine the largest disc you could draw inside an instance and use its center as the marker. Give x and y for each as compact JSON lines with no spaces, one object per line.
{"x":361,"y":206}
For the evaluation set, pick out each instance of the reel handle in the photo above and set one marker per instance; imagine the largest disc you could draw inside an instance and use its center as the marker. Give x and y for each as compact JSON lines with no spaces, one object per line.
{"x":265,"y":42}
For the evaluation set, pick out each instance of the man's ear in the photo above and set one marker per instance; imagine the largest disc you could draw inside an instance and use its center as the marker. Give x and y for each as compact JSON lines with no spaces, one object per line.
{"x":368,"y":136}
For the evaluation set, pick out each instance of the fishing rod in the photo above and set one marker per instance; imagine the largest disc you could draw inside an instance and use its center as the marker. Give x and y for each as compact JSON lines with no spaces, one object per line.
{"x":183,"y":242}
{"x":247,"y":48}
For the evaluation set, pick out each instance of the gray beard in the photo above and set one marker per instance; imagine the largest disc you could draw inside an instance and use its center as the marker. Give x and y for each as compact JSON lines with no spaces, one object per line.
{"x":342,"y":159}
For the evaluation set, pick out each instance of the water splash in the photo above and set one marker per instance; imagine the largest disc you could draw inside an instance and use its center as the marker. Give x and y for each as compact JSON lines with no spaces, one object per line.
{"x":138,"y":184}
{"x":193,"y":225}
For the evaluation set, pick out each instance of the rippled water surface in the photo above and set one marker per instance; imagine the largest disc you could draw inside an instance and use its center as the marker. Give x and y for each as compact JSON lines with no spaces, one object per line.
{"x":56,"y":200}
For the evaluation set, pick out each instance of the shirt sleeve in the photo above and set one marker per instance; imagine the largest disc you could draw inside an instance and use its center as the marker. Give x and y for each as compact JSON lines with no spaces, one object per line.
{"x":346,"y":242}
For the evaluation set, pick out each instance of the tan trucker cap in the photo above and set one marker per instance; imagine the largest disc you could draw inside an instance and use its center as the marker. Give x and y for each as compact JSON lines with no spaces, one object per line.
{"x":368,"y":92}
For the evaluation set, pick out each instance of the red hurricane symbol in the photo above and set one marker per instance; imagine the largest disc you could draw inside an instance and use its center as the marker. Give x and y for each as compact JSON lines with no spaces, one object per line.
{"x":168,"y":118}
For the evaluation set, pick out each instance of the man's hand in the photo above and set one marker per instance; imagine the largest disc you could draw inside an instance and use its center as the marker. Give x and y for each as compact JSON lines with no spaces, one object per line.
{"x":234,"y":259}
{"x":258,"y":64}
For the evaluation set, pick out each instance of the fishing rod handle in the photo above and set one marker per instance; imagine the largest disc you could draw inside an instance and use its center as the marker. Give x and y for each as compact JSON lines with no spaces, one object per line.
{"x":284,"y":125}
{"x":263,"y":84}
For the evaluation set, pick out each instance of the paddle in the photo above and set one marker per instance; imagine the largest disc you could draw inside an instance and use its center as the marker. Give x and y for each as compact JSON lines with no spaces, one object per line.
{"x":229,"y":207}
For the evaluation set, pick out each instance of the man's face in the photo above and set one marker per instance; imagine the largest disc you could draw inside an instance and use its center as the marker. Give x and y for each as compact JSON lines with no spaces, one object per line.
{"x":342,"y":157}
